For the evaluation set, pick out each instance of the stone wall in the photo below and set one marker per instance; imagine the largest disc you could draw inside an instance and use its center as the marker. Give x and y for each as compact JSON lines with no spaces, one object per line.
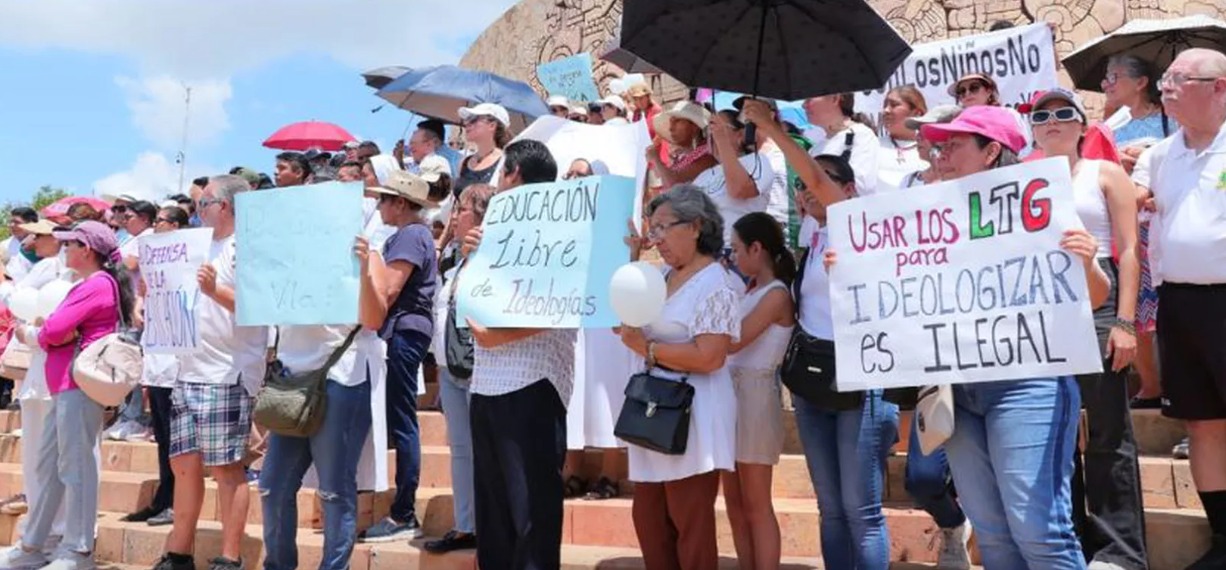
{"x":536,"y":31}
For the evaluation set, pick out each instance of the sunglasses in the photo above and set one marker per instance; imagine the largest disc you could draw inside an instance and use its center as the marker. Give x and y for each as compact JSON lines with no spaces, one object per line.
{"x":969,"y":89}
{"x":1062,"y":115}
{"x":119,"y":208}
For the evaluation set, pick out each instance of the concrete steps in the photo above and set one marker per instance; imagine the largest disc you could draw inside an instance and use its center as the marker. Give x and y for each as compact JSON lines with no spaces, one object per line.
{"x":597,"y":534}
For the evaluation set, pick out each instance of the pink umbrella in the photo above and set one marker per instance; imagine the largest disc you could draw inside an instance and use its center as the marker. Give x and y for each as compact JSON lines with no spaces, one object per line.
{"x":59,"y":208}
{"x":309,"y":134}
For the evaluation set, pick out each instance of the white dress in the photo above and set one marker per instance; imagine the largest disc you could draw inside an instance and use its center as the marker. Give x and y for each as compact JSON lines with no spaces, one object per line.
{"x":706,"y":304}
{"x":603,"y":366}
{"x":755,"y":376}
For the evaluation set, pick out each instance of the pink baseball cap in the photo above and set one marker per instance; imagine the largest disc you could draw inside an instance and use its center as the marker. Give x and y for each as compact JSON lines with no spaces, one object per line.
{"x":996,"y":123}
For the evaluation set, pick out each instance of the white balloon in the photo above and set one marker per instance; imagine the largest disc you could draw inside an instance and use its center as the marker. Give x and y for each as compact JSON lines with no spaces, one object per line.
{"x":51,"y":295}
{"x":24,"y":304}
{"x":637,"y":293}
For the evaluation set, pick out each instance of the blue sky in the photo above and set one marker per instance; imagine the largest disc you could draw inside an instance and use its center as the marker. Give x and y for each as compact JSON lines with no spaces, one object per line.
{"x":93,"y":97}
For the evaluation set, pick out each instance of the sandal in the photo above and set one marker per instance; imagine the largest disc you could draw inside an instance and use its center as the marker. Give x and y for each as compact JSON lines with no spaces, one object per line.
{"x":603,"y":489}
{"x":575,"y":487}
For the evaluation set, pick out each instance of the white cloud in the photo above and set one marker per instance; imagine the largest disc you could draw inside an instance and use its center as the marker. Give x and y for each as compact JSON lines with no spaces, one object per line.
{"x":152,"y":177}
{"x":158,"y":103}
{"x":202,"y":40}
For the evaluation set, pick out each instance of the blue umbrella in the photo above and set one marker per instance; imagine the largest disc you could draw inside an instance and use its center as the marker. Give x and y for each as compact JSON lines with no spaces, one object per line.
{"x":440,"y":91}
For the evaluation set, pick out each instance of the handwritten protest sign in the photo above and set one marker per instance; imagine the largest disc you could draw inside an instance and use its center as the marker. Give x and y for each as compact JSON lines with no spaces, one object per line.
{"x":168,"y":265}
{"x":569,"y":76}
{"x":294,"y":254}
{"x":963,"y":281}
{"x":547,"y":255}
{"x":1022,"y":60}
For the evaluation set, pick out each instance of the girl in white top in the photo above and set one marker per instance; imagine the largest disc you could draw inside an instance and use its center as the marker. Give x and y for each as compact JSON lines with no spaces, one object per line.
{"x":900,"y":147}
{"x":674,"y":495}
{"x":767,"y":319}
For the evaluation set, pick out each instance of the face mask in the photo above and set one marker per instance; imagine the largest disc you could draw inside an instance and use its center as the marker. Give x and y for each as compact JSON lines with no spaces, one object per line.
{"x":30,"y":255}
{"x":122,"y":234}
{"x":194,"y":221}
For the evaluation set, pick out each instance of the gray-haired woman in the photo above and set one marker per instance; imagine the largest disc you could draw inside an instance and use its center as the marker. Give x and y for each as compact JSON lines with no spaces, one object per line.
{"x":674,"y":495}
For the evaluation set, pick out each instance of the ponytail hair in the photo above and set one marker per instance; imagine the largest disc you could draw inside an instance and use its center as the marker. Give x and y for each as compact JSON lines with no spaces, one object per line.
{"x":113,"y":265}
{"x":759,"y":227}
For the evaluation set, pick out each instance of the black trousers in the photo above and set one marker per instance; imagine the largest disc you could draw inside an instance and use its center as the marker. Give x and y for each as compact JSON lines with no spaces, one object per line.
{"x":159,"y":410}
{"x":1107,"y":507}
{"x":519,"y":445}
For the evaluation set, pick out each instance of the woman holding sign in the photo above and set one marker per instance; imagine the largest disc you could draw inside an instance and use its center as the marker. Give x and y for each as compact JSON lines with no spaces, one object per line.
{"x":1105,"y":199}
{"x":846,"y":436}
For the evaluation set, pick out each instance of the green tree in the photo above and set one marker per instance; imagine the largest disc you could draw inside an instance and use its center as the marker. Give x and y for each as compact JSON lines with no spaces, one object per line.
{"x":45,"y":196}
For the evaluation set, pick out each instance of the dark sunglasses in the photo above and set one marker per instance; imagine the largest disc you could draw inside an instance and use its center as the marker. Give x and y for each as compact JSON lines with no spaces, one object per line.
{"x":972,"y":88}
{"x":119,"y":208}
{"x":1062,"y":115}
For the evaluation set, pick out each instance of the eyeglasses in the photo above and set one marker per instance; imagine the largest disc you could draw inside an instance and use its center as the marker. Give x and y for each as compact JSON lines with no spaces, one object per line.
{"x":1111,"y":78}
{"x":202,"y":204}
{"x":162,"y":221}
{"x":969,"y":89}
{"x":657,"y":232}
{"x":1062,"y":115}
{"x":1179,"y":79}
{"x":119,"y":208}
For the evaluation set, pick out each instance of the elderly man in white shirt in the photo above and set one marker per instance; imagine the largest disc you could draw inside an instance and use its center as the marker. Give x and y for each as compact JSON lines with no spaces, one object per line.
{"x":521,"y":384}
{"x":1187,"y":176}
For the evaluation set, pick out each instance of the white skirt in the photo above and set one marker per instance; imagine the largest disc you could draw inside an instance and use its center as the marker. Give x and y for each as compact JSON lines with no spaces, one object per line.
{"x":603,"y":366}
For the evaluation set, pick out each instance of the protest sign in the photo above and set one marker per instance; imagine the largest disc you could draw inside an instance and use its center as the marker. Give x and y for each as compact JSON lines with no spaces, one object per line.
{"x":959,"y":282}
{"x":570,"y":77}
{"x":1022,"y":60}
{"x":295,"y":255}
{"x":168,"y":265}
{"x":547,"y":254}
{"x":617,"y":149}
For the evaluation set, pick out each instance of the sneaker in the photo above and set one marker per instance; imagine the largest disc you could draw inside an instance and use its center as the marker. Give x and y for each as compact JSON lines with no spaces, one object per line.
{"x":253,"y":476}
{"x":223,"y":563}
{"x":1215,"y":558}
{"x":170,"y":561}
{"x":16,"y":558}
{"x":164,"y":518}
{"x":117,"y":431}
{"x":72,"y":561}
{"x":388,"y":530}
{"x":453,"y":540}
{"x":1104,"y":565}
{"x":953,"y":554}
{"x":1180,"y":451}
{"x":140,"y":516}
{"x":138,"y":433}
{"x":16,"y":432}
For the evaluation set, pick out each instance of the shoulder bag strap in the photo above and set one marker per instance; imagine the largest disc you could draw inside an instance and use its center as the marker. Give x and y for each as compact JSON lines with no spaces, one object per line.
{"x":340,"y":350}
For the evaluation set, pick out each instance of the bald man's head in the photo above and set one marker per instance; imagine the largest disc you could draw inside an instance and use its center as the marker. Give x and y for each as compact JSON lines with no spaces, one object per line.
{"x":1194,"y":88}
{"x":1206,"y":62}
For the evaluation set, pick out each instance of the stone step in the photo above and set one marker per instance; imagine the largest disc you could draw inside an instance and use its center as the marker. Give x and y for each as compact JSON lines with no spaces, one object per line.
{"x":139,"y":546}
{"x":1165,"y":483}
{"x":1156,"y":435}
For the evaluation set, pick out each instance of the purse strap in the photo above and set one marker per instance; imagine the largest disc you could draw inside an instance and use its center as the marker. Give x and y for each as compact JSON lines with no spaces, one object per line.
{"x":340,"y":350}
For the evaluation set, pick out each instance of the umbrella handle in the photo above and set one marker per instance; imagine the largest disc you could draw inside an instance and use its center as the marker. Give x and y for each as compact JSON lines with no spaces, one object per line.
{"x":751,"y":130}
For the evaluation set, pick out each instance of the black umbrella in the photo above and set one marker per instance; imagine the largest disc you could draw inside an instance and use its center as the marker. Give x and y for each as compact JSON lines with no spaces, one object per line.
{"x":615,"y":54}
{"x":784,"y":49}
{"x":379,"y":77}
{"x":1156,"y":41}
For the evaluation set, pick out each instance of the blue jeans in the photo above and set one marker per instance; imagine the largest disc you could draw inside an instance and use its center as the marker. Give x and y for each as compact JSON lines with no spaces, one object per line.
{"x":335,"y":451}
{"x":929,"y":483}
{"x":460,"y":438}
{"x":846,"y":453}
{"x":405,"y":352}
{"x":1012,"y":459}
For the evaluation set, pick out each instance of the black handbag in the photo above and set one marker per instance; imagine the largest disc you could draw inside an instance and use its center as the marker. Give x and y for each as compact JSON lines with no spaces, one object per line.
{"x":656,"y":413}
{"x":809,"y":372}
{"x":457,"y":347}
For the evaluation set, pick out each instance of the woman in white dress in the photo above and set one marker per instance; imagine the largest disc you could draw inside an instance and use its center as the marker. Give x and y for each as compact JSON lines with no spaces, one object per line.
{"x":767,"y":318}
{"x":674,"y":495}
{"x":900,"y":146}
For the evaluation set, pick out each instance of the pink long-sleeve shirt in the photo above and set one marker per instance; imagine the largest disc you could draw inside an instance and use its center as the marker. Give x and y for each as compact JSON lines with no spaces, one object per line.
{"x":90,"y":311}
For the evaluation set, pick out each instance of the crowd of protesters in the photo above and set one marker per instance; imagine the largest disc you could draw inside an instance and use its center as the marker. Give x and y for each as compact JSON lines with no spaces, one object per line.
{"x":739,"y":229}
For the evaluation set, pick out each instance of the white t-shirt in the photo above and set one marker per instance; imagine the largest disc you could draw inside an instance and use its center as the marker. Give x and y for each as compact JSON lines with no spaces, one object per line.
{"x":304,"y":348}
{"x":864,"y":150}
{"x":131,"y":246}
{"x":895,"y":163}
{"x":712,"y":180}
{"x":816,"y":317}
{"x":1187,"y":236}
{"x":227,"y":351}
{"x":777,"y":198}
